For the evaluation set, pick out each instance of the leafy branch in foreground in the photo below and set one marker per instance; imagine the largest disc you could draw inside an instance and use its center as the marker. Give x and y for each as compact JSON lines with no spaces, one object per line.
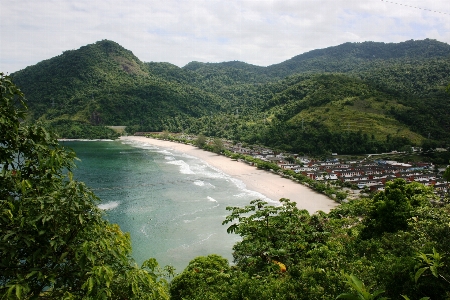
{"x":432,"y":262}
{"x":54,"y":242}
{"x":362,"y":293}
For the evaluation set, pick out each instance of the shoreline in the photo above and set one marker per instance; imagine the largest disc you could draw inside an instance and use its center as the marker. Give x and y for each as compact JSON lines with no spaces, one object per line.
{"x":85,"y":140}
{"x":268,"y":184}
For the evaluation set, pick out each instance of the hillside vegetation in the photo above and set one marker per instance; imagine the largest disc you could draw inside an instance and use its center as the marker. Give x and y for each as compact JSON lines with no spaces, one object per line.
{"x":352,"y":98}
{"x":104,"y":84}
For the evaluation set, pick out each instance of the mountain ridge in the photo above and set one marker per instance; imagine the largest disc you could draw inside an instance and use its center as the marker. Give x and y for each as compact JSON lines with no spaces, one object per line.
{"x":105,"y":84}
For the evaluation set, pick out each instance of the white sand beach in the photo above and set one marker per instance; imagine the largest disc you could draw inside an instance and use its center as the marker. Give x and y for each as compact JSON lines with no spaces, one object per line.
{"x":268,"y":184}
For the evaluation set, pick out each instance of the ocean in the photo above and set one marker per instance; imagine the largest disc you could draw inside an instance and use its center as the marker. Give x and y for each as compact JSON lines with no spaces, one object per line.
{"x":172,"y":204}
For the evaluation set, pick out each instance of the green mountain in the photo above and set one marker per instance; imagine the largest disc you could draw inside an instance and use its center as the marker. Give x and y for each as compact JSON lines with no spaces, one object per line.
{"x":105,"y":84}
{"x":355,"y":57}
{"x":393,"y":92}
{"x":352,"y":98}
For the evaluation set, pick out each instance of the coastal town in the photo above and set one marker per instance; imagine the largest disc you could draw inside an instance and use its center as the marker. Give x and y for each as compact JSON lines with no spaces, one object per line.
{"x":368,"y":174}
{"x":358,"y":175}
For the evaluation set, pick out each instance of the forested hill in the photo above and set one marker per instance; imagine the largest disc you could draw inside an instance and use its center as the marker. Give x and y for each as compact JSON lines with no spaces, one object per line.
{"x":105,"y":84}
{"x":368,"y":93}
{"x":345,"y":58}
{"x":351,"y":57}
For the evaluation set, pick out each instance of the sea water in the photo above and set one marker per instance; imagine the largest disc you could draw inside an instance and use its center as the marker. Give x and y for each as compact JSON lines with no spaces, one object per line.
{"x":172,"y":204}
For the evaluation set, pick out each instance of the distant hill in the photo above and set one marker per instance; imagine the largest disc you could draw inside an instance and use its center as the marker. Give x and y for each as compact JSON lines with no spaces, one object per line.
{"x":354,"y":57}
{"x":377,"y":95}
{"x":345,"y":58}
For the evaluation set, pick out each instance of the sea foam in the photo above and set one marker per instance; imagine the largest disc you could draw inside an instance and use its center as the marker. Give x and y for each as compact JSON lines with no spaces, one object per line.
{"x":211,"y":199}
{"x":184,"y":167}
{"x":246,"y":192}
{"x":199,"y":183}
{"x":140,"y":145}
{"x":204,"y":184}
{"x":108,"y":205}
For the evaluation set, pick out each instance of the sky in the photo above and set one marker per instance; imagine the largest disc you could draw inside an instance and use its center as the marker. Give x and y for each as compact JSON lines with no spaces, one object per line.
{"x":259,"y":32}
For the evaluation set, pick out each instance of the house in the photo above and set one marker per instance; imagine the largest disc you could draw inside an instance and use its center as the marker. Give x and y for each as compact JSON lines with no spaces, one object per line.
{"x":376,"y":188}
{"x":289,"y":166}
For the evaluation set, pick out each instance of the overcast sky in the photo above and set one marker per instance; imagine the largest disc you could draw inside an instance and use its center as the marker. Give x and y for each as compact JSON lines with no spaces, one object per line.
{"x":260,"y":32}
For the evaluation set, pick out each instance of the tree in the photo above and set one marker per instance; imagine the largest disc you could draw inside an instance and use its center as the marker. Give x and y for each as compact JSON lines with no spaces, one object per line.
{"x":54,"y":241}
{"x":218,"y":145}
{"x":446,"y":174}
{"x":391,"y":208}
{"x":204,"y":278}
{"x":165,"y":135}
{"x":290,"y":159}
{"x":271,"y":235}
{"x":200,"y":141}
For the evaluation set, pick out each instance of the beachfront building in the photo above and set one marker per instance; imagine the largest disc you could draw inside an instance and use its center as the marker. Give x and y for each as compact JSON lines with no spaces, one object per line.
{"x":363,"y":174}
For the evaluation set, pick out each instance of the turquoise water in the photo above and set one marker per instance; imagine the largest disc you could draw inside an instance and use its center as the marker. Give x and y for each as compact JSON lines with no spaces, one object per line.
{"x":172,"y":204}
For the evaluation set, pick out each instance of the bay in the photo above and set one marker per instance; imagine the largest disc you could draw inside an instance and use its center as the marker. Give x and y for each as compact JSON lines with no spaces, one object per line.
{"x":171,"y":204}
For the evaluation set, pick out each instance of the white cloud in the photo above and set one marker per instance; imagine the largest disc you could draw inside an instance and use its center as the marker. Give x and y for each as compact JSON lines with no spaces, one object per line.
{"x":260,"y":32}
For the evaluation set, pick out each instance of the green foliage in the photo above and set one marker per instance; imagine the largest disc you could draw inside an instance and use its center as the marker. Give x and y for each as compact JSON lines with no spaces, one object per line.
{"x":272,"y":235}
{"x":217,"y":145}
{"x":212,"y":278}
{"x":392,"y":207}
{"x":407,"y":298}
{"x":68,"y":129}
{"x":341,"y":196}
{"x":432,"y":262}
{"x":446,"y":174}
{"x":362,"y":292}
{"x":204,"y":278}
{"x":200,"y":141}
{"x":54,"y":240}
